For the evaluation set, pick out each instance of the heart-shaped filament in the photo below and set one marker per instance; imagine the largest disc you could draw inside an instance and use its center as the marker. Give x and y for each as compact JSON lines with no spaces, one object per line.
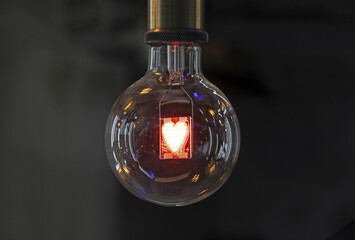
{"x":175,"y":135}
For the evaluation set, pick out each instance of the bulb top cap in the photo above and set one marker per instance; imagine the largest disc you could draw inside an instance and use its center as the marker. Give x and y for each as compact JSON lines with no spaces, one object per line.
{"x":176,"y":20}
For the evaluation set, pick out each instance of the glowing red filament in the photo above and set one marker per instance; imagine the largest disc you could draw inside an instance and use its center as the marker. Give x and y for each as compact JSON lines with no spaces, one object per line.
{"x":175,"y":138}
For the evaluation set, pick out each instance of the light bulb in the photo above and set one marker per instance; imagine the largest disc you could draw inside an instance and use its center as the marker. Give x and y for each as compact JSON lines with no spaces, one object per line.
{"x":172,"y":138}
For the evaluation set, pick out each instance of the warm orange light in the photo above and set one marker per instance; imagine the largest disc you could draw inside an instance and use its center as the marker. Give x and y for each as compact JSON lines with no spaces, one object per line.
{"x":146,"y":90}
{"x":175,"y":138}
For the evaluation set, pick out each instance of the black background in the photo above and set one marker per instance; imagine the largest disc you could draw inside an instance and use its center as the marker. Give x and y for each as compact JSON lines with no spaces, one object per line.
{"x":288,"y":67}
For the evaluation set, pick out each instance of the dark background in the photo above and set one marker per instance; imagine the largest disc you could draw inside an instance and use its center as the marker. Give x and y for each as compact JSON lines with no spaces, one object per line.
{"x":288,"y":67}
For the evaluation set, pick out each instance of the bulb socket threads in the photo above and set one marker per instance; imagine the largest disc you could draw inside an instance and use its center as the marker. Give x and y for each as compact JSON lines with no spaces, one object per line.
{"x":176,"y":20}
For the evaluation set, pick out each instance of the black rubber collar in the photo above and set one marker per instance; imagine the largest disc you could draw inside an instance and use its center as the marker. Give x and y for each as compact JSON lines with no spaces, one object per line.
{"x":176,"y":36}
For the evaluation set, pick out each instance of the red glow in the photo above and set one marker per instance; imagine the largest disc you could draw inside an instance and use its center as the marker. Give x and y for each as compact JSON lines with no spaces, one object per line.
{"x":175,"y":138}
{"x":174,"y":44}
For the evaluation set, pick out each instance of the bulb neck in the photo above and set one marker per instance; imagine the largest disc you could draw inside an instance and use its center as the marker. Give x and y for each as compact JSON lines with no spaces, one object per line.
{"x":179,"y":61}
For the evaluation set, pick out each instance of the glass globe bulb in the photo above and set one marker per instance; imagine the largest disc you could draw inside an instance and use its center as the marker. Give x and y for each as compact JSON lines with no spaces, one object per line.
{"x":172,"y":138}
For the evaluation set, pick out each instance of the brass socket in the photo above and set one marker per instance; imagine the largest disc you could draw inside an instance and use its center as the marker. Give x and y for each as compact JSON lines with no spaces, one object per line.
{"x":175,"y":15}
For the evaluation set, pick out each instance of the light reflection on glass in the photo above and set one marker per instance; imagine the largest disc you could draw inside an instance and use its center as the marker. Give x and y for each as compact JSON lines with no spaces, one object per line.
{"x":146,"y":90}
{"x":195,"y":178}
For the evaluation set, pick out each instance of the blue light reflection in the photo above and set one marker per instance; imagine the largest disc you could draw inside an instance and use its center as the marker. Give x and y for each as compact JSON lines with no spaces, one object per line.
{"x":198,"y":97}
{"x":151,"y":174}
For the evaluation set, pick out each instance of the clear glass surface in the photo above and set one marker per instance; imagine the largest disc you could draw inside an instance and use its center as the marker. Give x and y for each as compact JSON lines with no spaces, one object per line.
{"x":173,"y":86}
